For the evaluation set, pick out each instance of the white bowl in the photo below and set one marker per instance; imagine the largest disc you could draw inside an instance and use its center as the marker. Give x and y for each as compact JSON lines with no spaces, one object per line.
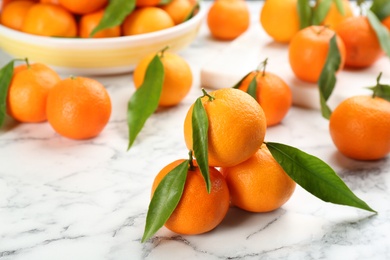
{"x":97,"y":56}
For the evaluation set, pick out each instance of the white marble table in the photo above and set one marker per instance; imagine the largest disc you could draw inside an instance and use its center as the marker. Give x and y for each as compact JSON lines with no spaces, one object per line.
{"x":63,"y":199}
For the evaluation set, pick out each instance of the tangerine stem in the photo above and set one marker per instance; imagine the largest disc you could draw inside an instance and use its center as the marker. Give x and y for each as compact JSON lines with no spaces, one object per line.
{"x":163,"y":50}
{"x":378,"y":85}
{"x":205,"y":94}
{"x":28,"y":63}
{"x":190,"y":161}
{"x":262,"y":66}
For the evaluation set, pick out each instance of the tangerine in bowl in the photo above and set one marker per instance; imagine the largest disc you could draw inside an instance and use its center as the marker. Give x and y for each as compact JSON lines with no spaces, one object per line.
{"x":98,"y":56}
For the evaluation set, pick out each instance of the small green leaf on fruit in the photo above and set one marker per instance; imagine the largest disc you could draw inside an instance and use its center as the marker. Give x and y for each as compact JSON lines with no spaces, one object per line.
{"x":305,"y":13}
{"x":315,"y":176}
{"x":5,"y":80}
{"x":114,"y":15}
{"x":200,"y":126}
{"x":193,"y":12}
{"x":381,"y":90}
{"x":327,"y":79}
{"x":252,"y":88}
{"x":381,"y":32}
{"x":320,"y":11}
{"x":238,"y":84}
{"x":165,"y":199}
{"x":381,"y":8}
{"x":144,"y":101}
{"x":339,"y":6}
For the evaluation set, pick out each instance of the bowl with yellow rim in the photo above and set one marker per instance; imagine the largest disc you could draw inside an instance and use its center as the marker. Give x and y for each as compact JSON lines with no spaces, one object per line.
{"x":101,"y":55}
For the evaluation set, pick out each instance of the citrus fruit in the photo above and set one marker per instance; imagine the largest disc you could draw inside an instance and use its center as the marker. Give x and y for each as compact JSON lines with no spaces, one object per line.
{"x":83,"y":6}
{"x":177,"y":77}
{"x":178,"y":10}
{"x":145,"y":20}
{"x":28,"y":92}
{"x":236,"y":129}
{"x":279,"y":19}
{"x":197,"y":211}
{"x":228,"y":19}
{"x":386,"y":22}
{"x":359,"y":127}
{"x":78,"y":107}
{"x":272,"y":93}
{"x":146,"y":3}
{"x":14,"y":13}
{"x":334,"y":17}
{"x":49,"y":20}
{"x":89,"y":22}
{"x":309,"y":49}
{"x":360,"y":40}
{"x":258,"y":184}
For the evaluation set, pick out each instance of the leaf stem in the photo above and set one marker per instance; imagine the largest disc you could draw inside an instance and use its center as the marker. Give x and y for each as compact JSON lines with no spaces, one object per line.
{"x":262,"y":66}
{"x":205,"y":94}
{"x":163,"y":51}
{"x":378,"y":85}
{"x":190,"y":161}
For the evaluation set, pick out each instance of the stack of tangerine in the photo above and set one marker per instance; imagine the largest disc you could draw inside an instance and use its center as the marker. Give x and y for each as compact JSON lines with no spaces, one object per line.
{"x":78,"y":18}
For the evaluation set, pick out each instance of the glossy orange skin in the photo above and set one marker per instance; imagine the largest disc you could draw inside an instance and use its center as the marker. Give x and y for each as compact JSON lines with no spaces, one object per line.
{"x":89,"y":22}
{"x":177,"y":77}
{"x":13,"y":14}
{"x":361,"y":44}
{"x":78,"y":108}
{"x":308,"y":51}
{"x":28,"y":92}
{"x":198,"y":211}
{"x":359,"y":127}
{"x":258,"y":184}
{"x":83,"y":6}
{"x":237,"y":127}
{"x":228,"y":19}
{"x":178,"y":10}
{"x":273,"y":95}
{"x":49,"y":20}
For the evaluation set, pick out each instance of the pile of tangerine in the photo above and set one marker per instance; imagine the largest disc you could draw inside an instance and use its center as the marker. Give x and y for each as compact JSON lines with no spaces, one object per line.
{"x":78,"y":18}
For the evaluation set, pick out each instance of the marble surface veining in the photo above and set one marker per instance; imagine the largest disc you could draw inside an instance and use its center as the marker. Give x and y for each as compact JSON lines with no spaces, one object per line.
{"x":63,"y":199}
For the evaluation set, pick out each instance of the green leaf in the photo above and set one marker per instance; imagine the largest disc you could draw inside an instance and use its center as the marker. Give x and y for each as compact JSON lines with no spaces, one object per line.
{"x":381,"y":32}
{"x":320,"y":11}
{"x":194,"y":11}
{"x":315,"y":176}
{"x":327,"y":80}
{"x":200,"y":126}
{"x":340,"y":7}
{"x":238,"y":84}
{"x":305,"y":13}
{"x":381,"y":8}
{"x":145,"y":100}
{"x":114,"y":15}
{"x":5,"y":80}
{"x":381,"y":90}
{"x":252,"y":88}
{"x":165,"y":199}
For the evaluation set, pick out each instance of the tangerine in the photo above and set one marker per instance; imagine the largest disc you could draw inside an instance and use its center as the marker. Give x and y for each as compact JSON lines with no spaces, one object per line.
{"x":334,"y":17}
{"x":28,"y":92}
{"x":89,"y":22}
{"x":14,"y":13}
{"x":83,"y":6}
{"x":361,"y":43}
{"x":49,"y":20}
{"x":280,"y":19}
{"x":258,"y":184}
{"x":177,"y":77}
{"x":178,"y":10}
{"x":309,"y":49}
{"x":145,"y":20}
{"x":197,"y":211}
{"x":272,"y":93}
{"x":78,"y":107}
{"x":236,"y":127}
{"x":228,"y":19}
{"x":359,"y":127}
